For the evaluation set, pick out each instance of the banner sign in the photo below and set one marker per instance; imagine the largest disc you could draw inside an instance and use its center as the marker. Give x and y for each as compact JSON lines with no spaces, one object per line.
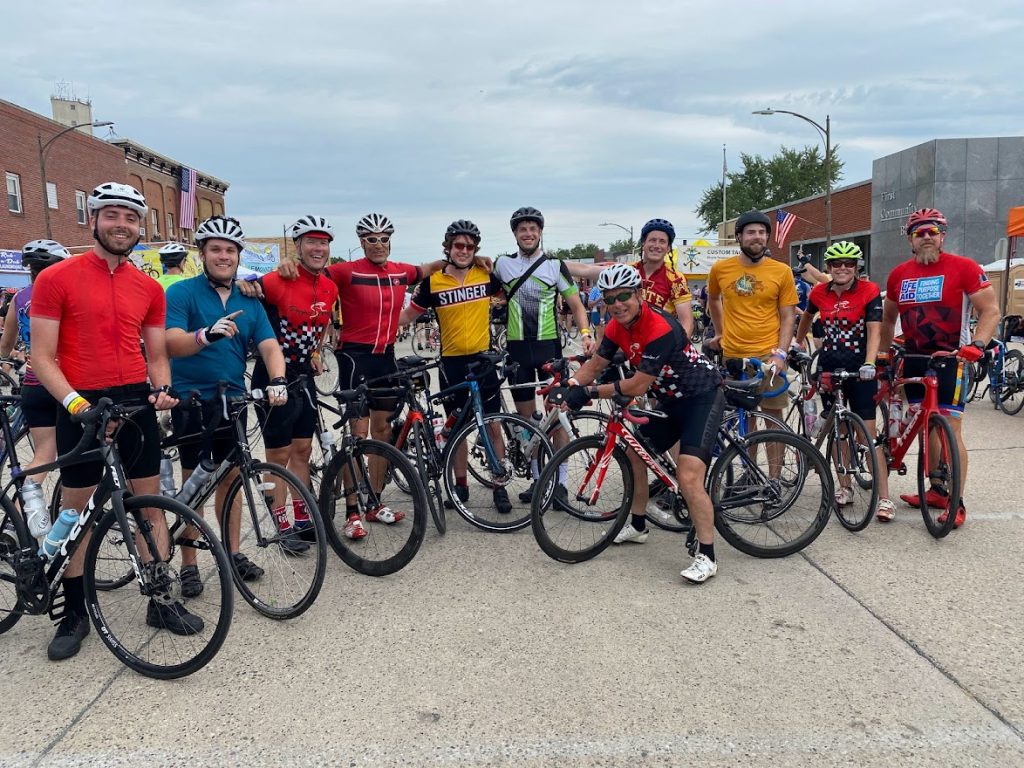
{"x":261,"y":257}
{"x":10,"y":261}
{"x":147,"y":258}
{"x":696,"y":260}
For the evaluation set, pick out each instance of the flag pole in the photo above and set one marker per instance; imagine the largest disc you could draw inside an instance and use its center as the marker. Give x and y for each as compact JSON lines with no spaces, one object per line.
{"x":724,"y":170}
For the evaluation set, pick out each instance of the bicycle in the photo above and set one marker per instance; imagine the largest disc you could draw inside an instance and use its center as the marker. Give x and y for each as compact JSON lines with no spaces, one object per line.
{"x":925,"y":422}
{"x":427,"y":334}
{"x":1004,"y":370}
{"x":327,"y":380}
{"x":128,"y":627}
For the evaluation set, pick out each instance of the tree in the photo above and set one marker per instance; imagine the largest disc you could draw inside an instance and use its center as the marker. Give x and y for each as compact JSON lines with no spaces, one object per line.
{"x":626,"y":245}
{"x":577,"y":252}
{"x":765,"y":183}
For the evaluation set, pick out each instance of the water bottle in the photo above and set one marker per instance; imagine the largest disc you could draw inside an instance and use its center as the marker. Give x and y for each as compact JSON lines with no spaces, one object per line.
{"x":895,"y":418}
{"x":55,"y":539}
{"x":167,"y":477}
{"x":810,"y":410}
{"x":438,"y":425}
{"x":446,"y":430}
{"x":327,"y":442}
{"x":816,"y":427}
{"x":34,"y":508}
{"x":196,"y":480}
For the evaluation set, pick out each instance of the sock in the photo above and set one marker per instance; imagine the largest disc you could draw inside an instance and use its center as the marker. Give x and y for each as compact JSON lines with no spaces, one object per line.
{"x":281,"y":517}
{"x":350,"y":511}
{"x":563,"y":474}
{"x":74,"y":596}
{"x":462,"y":481}
{"x":708,"y":550}
{"x":639,"y":522}
{"x":299,"y":510}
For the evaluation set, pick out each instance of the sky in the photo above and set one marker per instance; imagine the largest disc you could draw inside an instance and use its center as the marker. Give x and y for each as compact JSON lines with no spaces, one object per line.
{"x":434,"y":110}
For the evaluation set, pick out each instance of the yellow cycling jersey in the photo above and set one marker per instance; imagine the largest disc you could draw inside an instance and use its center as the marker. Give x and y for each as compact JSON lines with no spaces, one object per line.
{"x":462,"y":307}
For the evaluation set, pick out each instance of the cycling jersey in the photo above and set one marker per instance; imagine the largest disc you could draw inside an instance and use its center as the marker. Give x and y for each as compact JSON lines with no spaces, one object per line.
{"x":932,"y":300}
{"x":463,"y":309}
{"x":371,"y":299}
{"x":665,"y":289}
{"x":657,"y":345}
{"x":845,"y":318}
{"x":22,"y":305}
{"x":299,"y":310}
{"x":166,"y":281}
{"x":101,"y":314}
{"x":531,"y":314}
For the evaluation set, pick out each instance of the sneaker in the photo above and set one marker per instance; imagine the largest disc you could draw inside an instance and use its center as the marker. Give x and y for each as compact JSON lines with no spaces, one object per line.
{"x":885,"y":511}
{"x":629,"y":533}
{"x":935,"y":499}
{"x":291,"y":543}
{"x":527,"y":495}
{"x":701,"y":569}
{"x":173,"y":617}
{"x":501,"y":501}
{"x":71,"y":631}
{"x":462,"y":491}
{"x":561,"y":496}
{"x":386,"y":515}
{"x":961,"y":515}
{"x":304,"y":530}
{"x":246,"y":568}
{"x":191,"y":583}
{"x":844,"y":496}
{"x":354,"y":528}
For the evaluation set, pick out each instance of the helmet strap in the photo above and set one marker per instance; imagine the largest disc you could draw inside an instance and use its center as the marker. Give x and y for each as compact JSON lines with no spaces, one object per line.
{"x":217,"y":283}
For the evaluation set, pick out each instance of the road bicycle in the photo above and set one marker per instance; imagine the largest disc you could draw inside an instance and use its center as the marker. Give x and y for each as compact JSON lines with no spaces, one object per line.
{"x":1002,"y":371}
{"x":132,"y":535}
{"x":426,"y":335}
{"x":327,"y":380}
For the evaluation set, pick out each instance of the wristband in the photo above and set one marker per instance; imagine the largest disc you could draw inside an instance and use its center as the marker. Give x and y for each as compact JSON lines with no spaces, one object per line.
{"x":779,"y":353}
{"x":572,"y":382}
{"x":593,"y":393}
{"x":75,"y":403}
{"x":200,"y":337}
{"x":584,"y":331}
{"x":618,"y":387}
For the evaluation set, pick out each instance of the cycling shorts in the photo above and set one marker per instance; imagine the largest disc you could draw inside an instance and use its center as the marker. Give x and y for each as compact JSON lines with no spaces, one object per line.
{"x":860,"y":398}
{"x":38,"y":406}
{"x":691,"y":421}
{"x":530,"y":355}
{"x":295,"y":420}
{"x":454,"y":370}
{"x":357,"y":363}
{"x":188,"y":423}
{"x":953,"y":383}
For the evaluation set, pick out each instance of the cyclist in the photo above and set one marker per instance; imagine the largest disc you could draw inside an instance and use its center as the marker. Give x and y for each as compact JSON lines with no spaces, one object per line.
{"x":210,"y":326}
{"x":932,"y":294}
{"x":300,"y":313}
{"x":753,"y":304}
{"x":597,"y":310}
{"x":37,"y":405}
{"x":850,"y":311}
{"x":172,"y":256}
{"x":460,"y":295}
{"x":687,"y":388}
{"x":88,"y":314}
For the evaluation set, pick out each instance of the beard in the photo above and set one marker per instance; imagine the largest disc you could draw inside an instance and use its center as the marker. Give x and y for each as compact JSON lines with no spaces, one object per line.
{"x":107,"y":241}
{"x":754,"y":253}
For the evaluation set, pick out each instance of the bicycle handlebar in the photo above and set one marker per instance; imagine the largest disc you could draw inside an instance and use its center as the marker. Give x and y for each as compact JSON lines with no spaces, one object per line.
{"x":736,"y":366}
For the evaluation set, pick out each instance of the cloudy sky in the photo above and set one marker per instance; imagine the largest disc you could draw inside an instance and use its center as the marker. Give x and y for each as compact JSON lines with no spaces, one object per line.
{"x":593,"y":111}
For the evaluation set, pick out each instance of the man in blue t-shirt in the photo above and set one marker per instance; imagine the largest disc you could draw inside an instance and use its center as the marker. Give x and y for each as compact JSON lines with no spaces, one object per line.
{"x":210,"y":326}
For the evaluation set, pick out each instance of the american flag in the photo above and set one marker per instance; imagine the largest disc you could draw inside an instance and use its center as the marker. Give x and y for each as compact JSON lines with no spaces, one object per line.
{"x":187,"y":206}
{"x":783,"y":223}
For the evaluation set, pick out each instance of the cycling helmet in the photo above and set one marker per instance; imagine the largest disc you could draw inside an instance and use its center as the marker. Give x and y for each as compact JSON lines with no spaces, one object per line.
{"x":844,"y":250}
{"x":112,"y":193}
{"x":220,"y":228}
{"x":462,"y":227}
{"x":659,"y":225}
{"x":172,"y":254}
{"x":618,"y":276}
{"x":526,"y":213}
{"x":43,"y":253}
{"x":926,"y":216}
{"x":753,"y":217}
{"x":307,"y":224}
{"x":374,"y":224}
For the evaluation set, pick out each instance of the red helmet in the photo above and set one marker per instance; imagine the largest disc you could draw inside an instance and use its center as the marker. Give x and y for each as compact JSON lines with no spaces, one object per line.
{"x":926,"y":216}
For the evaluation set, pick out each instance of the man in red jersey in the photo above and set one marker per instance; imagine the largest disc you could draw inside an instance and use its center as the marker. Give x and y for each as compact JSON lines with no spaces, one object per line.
{"x":933,"y":294}
{"x":89,"y":313}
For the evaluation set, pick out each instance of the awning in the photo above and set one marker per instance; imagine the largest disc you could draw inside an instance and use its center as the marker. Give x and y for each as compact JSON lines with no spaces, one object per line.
{"x":1015,"y":223}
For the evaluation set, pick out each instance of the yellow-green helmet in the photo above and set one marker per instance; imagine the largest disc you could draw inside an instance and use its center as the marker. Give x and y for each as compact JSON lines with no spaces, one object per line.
{"x":844,"y":249}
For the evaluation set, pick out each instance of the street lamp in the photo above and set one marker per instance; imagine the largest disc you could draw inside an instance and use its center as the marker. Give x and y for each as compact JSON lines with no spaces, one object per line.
{"x":826,"y":134}
{"x":632,"y":242}
{"x":43,"y":149}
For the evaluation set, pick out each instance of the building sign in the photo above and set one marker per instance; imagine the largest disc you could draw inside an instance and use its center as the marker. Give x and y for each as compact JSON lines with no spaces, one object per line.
{"x":893,"y":211}
{"x":10,"y":261}
{"x":695,"y":260}
{"x":1018,"y":284}
{"x":261,"y":257}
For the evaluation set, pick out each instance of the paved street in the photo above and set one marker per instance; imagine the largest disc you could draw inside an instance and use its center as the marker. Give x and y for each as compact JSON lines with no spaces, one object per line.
{"x":879,"y":648}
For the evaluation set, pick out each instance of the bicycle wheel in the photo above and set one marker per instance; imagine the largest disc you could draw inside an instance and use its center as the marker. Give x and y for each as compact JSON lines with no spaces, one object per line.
{"x":129,"y":619}
{"x":1011,"y":395}
{"x":945,"y":478}
{"x":14,"y":537}
{"x":385,"y":548}
{"x":526,"y":451}
{"x":425,"y":460}
{"x":293,"y":566}
{"x":856,"y":467}
{"x":327,"y":380}
{"x":595,"y":508}
{"x":772,"y":494}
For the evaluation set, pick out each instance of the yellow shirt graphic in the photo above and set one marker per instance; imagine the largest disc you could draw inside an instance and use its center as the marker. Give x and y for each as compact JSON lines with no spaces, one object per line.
{"x":751,"y":297}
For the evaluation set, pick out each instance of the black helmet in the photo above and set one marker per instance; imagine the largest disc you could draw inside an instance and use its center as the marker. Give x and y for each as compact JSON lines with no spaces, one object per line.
{"x":753,"y":217}
{"x":526,"y":213}
{"x":462,"y":227}
{"x":39,"y":254}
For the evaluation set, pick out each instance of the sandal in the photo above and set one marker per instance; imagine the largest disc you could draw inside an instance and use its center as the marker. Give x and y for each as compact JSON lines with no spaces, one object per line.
{"x":191,"y":583}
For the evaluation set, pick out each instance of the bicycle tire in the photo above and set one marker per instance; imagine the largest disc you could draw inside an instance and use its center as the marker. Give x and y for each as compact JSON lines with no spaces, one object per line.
{"x":431,"y":483}
{"x":671,"y":520}
{"x":771,"y":500}
{"x":14,"y":537}
{"x":386,"y":548}
{"x":326,"y":381}
{"x":568,"y":532}
{"x":947,"y":472}
{"x":1011,"y":394}
{"x":121,"y":634}
{"x":855,"y":517}
{"x":305,"y":571}
{"x":517,"y":434}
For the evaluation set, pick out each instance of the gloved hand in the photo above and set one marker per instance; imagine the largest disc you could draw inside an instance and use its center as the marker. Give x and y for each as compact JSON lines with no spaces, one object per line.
{"x":867,"y":372}
{"x":574,"y":398}
{"x":970,"y":353}
{"x":223,"y":328}
{"x":277,"y":391}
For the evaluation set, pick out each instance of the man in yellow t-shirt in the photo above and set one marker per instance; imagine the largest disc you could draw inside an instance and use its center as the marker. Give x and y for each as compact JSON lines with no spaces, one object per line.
{"x":753,"y":301}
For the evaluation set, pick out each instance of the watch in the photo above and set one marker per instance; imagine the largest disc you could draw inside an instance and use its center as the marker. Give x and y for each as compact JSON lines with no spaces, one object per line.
{"x":979,"y":344}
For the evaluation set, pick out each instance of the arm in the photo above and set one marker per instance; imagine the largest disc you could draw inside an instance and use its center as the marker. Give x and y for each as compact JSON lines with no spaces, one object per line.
{"x":44,"y":358}
{"x":580,"y":315}
{"x":590,"y":370}
{"x":874,"y":336}
{"x":157,"y":363}
{"x":984,"y":303}
{"x":684,"y":313}
{"x":273,"y":358}
{"x":806,"y":318}
{"x":409,"y":314}
{"x":814,"y":275}
{"x":787,"y":321}
{"x":10,"y":336}
{"x":890,"y":311}
{"x":717,"y":319}
{"x":589,"y":271}
{"x":436,"y":266}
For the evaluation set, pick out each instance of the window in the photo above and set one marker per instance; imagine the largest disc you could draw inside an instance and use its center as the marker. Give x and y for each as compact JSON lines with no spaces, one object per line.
{"x":170,"y":226}
{"x":14,"y":193}
{"x":83,"y":217}
{"x":51,"y":195}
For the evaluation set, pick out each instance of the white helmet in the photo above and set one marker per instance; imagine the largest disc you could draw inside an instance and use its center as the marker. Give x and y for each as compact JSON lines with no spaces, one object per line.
{"x":112,"y":193}
{"x":221,"y":228}
{"x":307,"y":224}
{"x":375,"y":224}
{"x":618,"y":276}
{"x":43,"y":253}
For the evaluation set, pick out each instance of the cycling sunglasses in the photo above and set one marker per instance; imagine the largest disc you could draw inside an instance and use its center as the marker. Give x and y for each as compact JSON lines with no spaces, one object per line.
{"x":611,"y":298}
{"x":373,"y":239}
{"x":851,"y":263}
{"x":464,"y":247}
{"x":922,"y":231}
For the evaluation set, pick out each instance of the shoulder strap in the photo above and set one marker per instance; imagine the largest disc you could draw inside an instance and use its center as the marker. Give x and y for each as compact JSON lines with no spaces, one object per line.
{"x":526,"y":276}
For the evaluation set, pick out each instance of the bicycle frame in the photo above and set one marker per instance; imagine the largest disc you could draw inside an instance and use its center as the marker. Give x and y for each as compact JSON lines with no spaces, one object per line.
{"x":898,"y":446}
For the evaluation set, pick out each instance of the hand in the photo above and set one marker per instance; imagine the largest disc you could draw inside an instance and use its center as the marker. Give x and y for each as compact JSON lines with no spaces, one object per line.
{"x":570,"y":398}
{"x":715,"y":342}
{"x":277,"y":391}
{"x":225,"y":327}
{"x":484,"y":261}
{"x":165,"y":399}
{"x":589,"y":345}
{"x":250,"y":288}
{"x":970,"y":353}
{"x":287,"y":269}
{"x":867,"y":372}
{"x":316,"y":363}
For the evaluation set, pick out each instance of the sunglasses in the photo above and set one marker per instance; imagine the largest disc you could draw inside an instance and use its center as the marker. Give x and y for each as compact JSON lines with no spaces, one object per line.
{"x":922,"y":231}
{"x":464,"y":247}
{"x":373,"y":240}
{"x":612,"y":298}
{"x":850,"y":263}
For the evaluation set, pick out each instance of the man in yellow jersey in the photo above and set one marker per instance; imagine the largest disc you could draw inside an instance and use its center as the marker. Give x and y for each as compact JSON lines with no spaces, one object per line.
{"x":172,"y":256}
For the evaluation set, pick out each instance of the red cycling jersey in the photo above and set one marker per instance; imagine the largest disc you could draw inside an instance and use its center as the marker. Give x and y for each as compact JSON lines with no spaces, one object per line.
{"x":665,"y":289}
{"x":101,"y":314}
{"x":845,"y":319}
{"x":299,"y":310}
{"x":372,"y":296}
